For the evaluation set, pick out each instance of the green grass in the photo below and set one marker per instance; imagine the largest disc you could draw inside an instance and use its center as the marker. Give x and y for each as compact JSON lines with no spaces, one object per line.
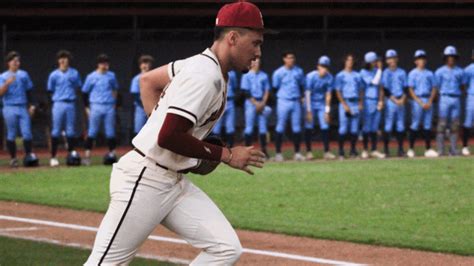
{"x":25,"y":252}
{"x":421,"y":204}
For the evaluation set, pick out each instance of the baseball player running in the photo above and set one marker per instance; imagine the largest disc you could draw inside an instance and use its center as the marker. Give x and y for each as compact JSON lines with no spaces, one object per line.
{"x":318,"y":91}
{"x":100,"y":96}
{"x":256,"y":86}
{"x":350,"y":93}
{"x":421,"y":87}
{"x":373,"y":103}
{"x":62,"y":85}
{"x":145,"y":63}
{"x":16,"y":88}
{"x":469,"y":119}
{"x":449,"y":79}
{"x":229,"y":114}
{"x":148,"y":185}
{"x":394,"y":82}
{"x":288,"y":81}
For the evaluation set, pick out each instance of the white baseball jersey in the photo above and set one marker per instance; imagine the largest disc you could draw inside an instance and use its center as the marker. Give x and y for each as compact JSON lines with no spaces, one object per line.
{"x":198,"y":92}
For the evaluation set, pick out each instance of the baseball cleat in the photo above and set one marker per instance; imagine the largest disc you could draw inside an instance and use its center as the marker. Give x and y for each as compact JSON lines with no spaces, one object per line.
{"x":298,"y":157}
{"x":411,"y":153}
{"x":364,"y":154}
{"x":14,"y":163}
{"x":329,"y":156}
{"x":278,"y":157}
{"x":309,"y":156}
{"x":401,"y":153}
{"x":30,"y":160}
{"x":465,"y":151}
{"x":431,"y":153}
{"x":354,"y":154}
{"x":53,"y":162}
{"x":377,"y":154}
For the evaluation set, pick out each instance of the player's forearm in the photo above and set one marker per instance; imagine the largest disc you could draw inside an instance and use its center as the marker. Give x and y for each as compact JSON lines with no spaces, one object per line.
{"x":340,"y":98}
{"x":152,"y":84}
{"x":265,"y":97}
{"x":3,"y":90}
{"x":328,"y":99}
{"x":174,"y":136}
{"x":413,"y":95}
{"x":434,"y":92}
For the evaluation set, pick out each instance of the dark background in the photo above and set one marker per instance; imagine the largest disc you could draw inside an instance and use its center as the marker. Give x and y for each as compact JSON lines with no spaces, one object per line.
{"x":169,"y":30}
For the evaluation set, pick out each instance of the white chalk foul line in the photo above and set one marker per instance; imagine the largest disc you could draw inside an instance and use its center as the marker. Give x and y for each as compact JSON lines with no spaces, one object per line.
{"x":15,"y":229}
{"x":180,"y":241}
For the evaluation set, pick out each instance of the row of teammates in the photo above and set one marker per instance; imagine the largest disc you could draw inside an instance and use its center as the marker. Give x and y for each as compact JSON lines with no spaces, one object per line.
{"x":370,"y":95}
{"x":361,"y":94}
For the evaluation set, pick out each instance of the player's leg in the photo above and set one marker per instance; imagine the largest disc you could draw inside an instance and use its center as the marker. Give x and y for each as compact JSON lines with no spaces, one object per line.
{"x":230,"y":123}
{"x":343,"y":120}
{"x":71,"y":133}
{"x":109,"y":124}
{"x":283,"y":110}
{"x":296,"y":113}
{"x":416,"y":116}
{"x":354,"y":128}
{"x":455,"y":124}
{"x":468,"y":122}
{"x":308,"y":130}
{"x":199,"y":221}
{"x":390,"y":110}
{"x":129,"y":220}
{"x":324,"y":126}
{"x":25,"y":129}
{"x":442,"y":123}
{"x":250,"y":115}
{"x":95,"y":118}
{"x":400,"y":118}
{"x":263,"y":129}
{"x":427,"y":125}
{"x":11,"y":122}
{"x":57,"y":117}
{"x":368,"y":116}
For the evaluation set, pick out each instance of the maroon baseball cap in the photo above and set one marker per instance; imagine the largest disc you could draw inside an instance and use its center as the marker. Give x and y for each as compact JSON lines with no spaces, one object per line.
{"x":241,"y":14}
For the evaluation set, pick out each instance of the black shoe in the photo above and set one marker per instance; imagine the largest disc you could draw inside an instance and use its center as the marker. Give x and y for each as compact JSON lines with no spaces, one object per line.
{"x":354,"y":154}
{"x":401,"y":153}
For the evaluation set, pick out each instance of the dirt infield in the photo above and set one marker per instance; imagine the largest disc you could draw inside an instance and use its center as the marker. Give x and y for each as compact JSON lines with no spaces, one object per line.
{"x":77,"y":228}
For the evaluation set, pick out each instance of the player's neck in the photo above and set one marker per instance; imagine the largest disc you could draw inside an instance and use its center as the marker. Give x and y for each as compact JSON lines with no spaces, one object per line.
{"x":13,"y":69}
{"x":420,"y":68}
{"x":393,"y":68}
{"x":101,"y":71}
{"x":219,"y":51}
{"x":64,"y":68}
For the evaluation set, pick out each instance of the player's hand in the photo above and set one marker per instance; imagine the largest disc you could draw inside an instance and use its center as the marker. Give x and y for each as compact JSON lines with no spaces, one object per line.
{"x":361,"y":106}
{"x":309,"y":116}
{"x":426,"y":106}
{"x":379,"y":64}
{"x":259,"y":107}
{"x":31,"y":110}
{"x":327,"y":118}
{"x":380,"y":105}
{"x":243,"y":157}
{"x":346,"y":108}
{"x":10,"y":80}
{"x":88,"y":111}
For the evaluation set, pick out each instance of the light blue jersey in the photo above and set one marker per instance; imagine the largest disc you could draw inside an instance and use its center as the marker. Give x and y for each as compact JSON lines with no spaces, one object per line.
{"x":63,"y":85}
{"x":449,"y":80}
{"x":255,"y":83}
{"x":135,"y":88}
{"x":16,"y":93}
{"x":319,"y":86}
{"x":469,"y":79}
{"x":371,"y":90}
{"x":349,"y":84}
{"x":288,"y":82}
{"x":395,"y":81}
{"x":422,"y":82}
{"x":100,"y":87}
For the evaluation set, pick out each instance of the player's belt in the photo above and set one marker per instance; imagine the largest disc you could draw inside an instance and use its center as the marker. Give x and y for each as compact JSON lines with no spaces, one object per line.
{"x":351,"y":99}
{"x":157,"y":164}
{"x":258,"y":98}
{"x":450,"y":95}
{"x":423,"y":95}
{"x":65,"y":101}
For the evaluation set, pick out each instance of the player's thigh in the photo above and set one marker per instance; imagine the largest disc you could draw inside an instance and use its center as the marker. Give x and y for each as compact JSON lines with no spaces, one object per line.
{"x":262,"y":124}
{"x":343,"y":120}
{"x":198,"y":220}
{"x":250,"y":114}
{"x":455,"y":108}
{"x":296,"y":111}
{"x":230,"y":118}
{"x":95,"y":117}
{"x":109,"y":122}
{"x":389,"y":115}
{"x":283,"y":110}
{"x":427,"y":118}
{"x":320,"y":114}
{"x":139,"y":119}
{"x":70,"y":119}
{"x":416,"y":115}
{"x":443,"y":107}
{"x":25,"y":124}
{"x":56,"y":120}
{"x":11,"y":121}
{"x":400,"y":118}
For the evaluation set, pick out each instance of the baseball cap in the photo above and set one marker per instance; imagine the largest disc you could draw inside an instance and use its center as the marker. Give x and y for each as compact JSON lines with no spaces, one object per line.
{"x":324,"y":61}
{"x":370,"y":57}
{"x":391,"y":53}
{"x":420,"y":53}
{"x":240,"y":14}
{"x":450,"y":51}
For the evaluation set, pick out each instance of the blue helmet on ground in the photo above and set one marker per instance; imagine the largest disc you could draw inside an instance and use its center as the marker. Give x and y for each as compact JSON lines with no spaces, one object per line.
{"x":31,"y":160}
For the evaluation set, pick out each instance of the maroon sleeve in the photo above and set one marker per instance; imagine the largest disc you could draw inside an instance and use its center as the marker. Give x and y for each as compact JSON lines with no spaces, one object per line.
{"x":174,"y":136}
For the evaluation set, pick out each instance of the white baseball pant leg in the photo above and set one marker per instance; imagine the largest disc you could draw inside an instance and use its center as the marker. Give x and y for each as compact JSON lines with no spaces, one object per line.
{"x":142,"y":196}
